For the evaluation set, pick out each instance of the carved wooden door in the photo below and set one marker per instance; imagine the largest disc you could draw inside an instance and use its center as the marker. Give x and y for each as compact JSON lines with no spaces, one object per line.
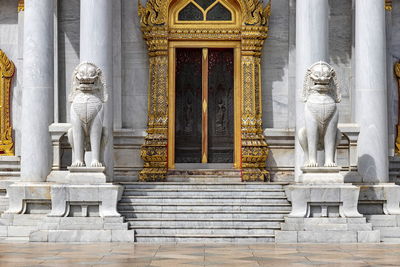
{"x":204,"y":122}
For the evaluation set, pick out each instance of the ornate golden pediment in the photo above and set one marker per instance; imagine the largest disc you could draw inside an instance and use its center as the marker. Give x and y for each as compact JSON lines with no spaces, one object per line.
{"x":7,"y":70}
{"x":155,"y":12}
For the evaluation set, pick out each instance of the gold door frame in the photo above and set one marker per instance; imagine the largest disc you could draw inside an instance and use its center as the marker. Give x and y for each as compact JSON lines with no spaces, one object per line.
{"x":246,"y":33}
{"x":7,"y":70}
{"x":235,"y":45}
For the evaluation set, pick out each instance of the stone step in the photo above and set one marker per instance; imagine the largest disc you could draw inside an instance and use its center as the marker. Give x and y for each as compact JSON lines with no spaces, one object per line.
{"x":17,"y":231}
{"x":326,"y":227}
{"x":205,"y":239}
{"x":326,"y":220}
{"x":384,"y":220}
{"x":205,"y":193}
{"x":204,"y":179}
{"x":331,"y":236}
{"x":204,"y":223}
{"x":202,"y":200}
{"x":389,"y":232}
{"x":171,"y":185}
{"x":203,"y":231}
{"x":208,"y":207}
{"x":14,"y":239}
{"x":209,"y":172}
{"x":26,"y":219}
{"x":211,"y":215}
{"x":391,"y":240}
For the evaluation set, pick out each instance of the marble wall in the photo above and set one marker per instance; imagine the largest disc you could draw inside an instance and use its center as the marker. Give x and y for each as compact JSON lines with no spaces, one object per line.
{"x":9,"y":36}
{"x":340,"y":53}
{"x":134,"y":69}
{"x":278,"y":62}
{"x":275,"y":68}
{"x":68,"y":51}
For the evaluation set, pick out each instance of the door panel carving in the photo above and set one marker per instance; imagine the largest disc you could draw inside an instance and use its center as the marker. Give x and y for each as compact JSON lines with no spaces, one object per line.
{"x":220,"y":108}
{"x":188,"y":130}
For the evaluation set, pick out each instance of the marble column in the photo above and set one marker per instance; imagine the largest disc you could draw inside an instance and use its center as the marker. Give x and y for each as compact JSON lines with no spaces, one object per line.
{"x":371,"y":90}
{"x":96,"y":46}
{"x":312,"y":39}
{"x":37,"y":96}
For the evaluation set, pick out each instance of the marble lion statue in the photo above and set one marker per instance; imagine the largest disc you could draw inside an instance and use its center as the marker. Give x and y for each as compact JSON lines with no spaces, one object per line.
{"x":88,"y":95}
{"x":321,"y":95}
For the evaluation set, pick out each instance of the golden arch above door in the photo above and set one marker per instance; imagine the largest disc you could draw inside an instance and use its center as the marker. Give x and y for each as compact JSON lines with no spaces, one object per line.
{"x":248,"y":28}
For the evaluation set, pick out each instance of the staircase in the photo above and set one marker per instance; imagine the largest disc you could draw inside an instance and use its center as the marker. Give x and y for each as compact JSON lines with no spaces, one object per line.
{"x":388,"y":225}
{"x":18,"y":227}
{"x":204,"y":211}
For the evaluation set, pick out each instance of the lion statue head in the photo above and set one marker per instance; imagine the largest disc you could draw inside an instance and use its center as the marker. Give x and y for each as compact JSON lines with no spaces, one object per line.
{"x":88,"y":78}
{"x":321,"y":79}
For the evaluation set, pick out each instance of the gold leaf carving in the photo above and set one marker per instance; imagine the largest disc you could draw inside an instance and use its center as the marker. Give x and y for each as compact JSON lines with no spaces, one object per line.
{"x":251,"y":31}
{"x":7,"y":70}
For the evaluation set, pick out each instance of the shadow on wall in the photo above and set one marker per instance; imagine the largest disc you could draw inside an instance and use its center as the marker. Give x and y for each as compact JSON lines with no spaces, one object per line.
{"x":275,"y":67}
{"x":68,"y":50}
{"x":340,"y":52}
{"x":8,"y":12}
{"x":367,"y":163}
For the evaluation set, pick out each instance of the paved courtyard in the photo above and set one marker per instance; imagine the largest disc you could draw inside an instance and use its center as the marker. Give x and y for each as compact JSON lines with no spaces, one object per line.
{"x":171,"y":255}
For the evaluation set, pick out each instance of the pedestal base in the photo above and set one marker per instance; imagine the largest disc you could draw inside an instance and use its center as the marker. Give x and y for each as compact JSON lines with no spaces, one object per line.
{"x":339,"y":198}
{"x":327,"y":230}
{"x":321,"y":175}
{"x":80,"y":200}
{"x":84,"y":213}
{"x":387,"y":195}
{"x":83,"y":229}
{"x":86,"y":175}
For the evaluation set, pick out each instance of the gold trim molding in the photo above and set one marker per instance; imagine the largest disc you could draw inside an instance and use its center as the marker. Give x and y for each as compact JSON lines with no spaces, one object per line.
{"x":7,"y":70}
{"x":389,"y":5}
{"x":397,"y":74}
{"x":21,"y":5}
{"x":250,"y":32}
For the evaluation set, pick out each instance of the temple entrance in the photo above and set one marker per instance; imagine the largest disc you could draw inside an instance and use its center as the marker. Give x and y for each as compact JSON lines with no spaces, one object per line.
{"x":205,"y":86}
{"x":204,"y":118}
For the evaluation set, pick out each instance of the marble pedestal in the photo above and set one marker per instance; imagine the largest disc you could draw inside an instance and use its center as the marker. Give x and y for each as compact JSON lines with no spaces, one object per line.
{"x":321,"y":175}
{"x":86,"y":175}
{"x":84,"y":209}
{"x":340,"y":199}
{"x":324,"y":212}
{"x":385,"y":195}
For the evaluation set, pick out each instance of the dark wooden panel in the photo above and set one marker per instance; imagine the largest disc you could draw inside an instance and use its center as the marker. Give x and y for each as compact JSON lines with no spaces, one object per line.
{"x":220,"y":106}
{"x":188,"y":131}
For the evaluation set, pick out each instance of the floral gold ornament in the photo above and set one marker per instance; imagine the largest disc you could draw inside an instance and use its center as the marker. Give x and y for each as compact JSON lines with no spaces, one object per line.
{"x":397,"y":74}
{"x":167,"y":24}
{"x":7,"y":70}
{"x":388,"y":5}
{"x":21,"y":5}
